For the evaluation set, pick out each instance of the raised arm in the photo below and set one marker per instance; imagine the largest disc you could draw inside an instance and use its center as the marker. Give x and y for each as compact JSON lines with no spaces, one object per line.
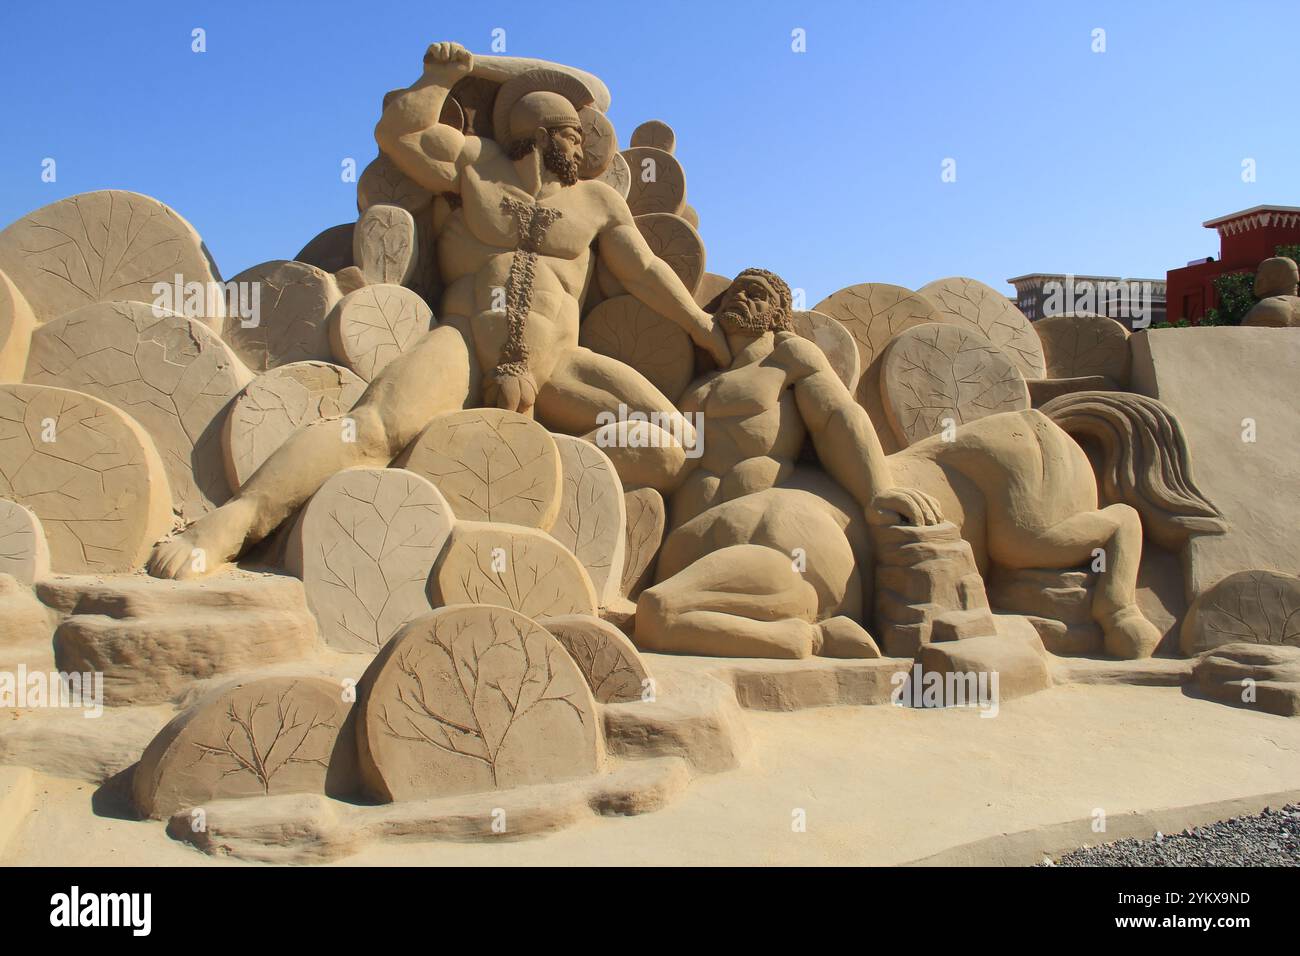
{"x":651,"y":280}
{"x":409,"y":133}
{"x":846,"y":441}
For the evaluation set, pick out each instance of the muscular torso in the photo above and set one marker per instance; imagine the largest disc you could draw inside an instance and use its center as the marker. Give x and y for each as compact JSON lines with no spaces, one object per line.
{"x":752,"y":435}
{"x":477,"y":244}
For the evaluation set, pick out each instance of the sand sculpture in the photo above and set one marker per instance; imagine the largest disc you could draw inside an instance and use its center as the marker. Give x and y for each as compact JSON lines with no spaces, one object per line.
{"x":516,"y":456}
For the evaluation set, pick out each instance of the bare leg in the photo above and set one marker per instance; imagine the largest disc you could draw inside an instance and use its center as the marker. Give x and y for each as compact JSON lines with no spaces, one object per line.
{"x":430,"y":379}
{"x":1117,"y":531}
{"x":584,"y":384}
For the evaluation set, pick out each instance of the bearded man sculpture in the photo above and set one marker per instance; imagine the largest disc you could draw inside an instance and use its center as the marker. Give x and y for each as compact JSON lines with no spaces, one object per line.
{"x":768,"y":559}
{"x":516,"y":260}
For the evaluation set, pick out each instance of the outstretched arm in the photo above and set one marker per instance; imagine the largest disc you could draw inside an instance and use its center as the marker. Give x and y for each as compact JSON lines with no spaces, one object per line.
{"x":846,"y":441}
{"x":409,"y":132}
{"x":651,"y":280}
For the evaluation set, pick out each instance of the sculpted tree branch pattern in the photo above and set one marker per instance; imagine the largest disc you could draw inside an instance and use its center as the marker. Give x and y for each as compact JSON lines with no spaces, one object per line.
{"x":263,"y":742}
{"x":97,"y":247}
{"x":973,"y":305}
{"x":518,"y":568}
{"x":645,"y":532}
{"x":23,"y":551}
{"x":608,"y":660}
{"x":658,"y":181}
{"x":487,"y":699}
{"x":935,"y":372}
{"x":1079,"y":345}
{"x":384,"y":244}
{"x":491,"y":465}
{"x":364,"y":547}
{"x":294,"y":302}
{"x":1257,"y":607}
{"x":676,"y":242}
{"x":875,"y":312}
{"x":382,"y":183}
{"x":376,"y":324}
{"x":592,"y":514}
{"x":625,"y":329}
{"x":170,"y":373}
{"x":83,"y":467}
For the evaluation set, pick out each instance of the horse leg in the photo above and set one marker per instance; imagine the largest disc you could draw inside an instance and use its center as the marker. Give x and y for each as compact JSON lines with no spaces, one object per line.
{"x":1117,"y":531}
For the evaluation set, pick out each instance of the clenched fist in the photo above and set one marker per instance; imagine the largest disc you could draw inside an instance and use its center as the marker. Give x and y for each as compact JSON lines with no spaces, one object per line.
{"x":451,"y":59}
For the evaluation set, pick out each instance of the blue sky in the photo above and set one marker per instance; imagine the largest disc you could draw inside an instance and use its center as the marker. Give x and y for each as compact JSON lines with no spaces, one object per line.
{"x":823,"y":165}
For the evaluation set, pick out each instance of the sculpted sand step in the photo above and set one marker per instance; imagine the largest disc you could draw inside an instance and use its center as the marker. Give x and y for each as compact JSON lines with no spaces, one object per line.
{"x":251,"y":739}
{"x":511,"y":566}
{"x":593,"y":519}
{"x":154,"y":639}
{"x":105,"y":246}
{"x":364,"y":547}
{"x":469,"y":699}
{"x":490,"y":465}
{"x":169,"y":373}
{"x":277,"y":403}
{"x":88,"y":471}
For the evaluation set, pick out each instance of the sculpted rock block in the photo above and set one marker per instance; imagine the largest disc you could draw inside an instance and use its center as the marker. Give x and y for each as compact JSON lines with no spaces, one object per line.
{"x":373,"y":325}
{"x":592,"y":520}
{"x":609,"y":662}
{"x":24,"y":552}
{"x":364,"y":546}
{"x":331,"y":251}
{"x":644,"y":508}
{"x":169,"y":373}
{"x":469,"y":699}
{"x":1251,"y":675}
{"x":625,"y":329}
{"x":655,"y":133}
{"x":293,"y":302}
{"x":970,"y":304}
{"x":99,"y":247}
{"x":936,"y":377}
{"x":384,"y":244}
{"x":1257,"y":607}
{"x":927,"y":588}
{"x":1081,"y":345}
{"x":511,"y":566}
{"x":16,"y":326}
{"x":1017,"y":664}
{"x":88,"y":471}
{"x":382,"y":183}
{"x":154,"y":639}
{"x":1057,"y":602}
{"x":658,"y":181}
{"x":277,"y":403}
{"x":250,"y":739}
{"x":25,"y":623}
{"x":491,"y":465}
{"x":835,"y":341}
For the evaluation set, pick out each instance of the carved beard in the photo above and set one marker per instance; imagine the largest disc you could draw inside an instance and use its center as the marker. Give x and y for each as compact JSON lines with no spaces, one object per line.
{"x":553,"y":159}
{"x":740,"y":319}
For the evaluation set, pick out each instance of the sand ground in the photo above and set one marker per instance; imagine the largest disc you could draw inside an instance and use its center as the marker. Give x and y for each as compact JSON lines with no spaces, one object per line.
{"x":877,"y":785}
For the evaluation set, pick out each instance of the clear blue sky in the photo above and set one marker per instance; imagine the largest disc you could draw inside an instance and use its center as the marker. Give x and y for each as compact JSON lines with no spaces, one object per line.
{"x":823,"y":165}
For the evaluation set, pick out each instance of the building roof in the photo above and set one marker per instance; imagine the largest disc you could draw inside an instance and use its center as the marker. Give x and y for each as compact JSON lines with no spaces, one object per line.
{"x":1259,"y":216}
{"x":1077,"y":277}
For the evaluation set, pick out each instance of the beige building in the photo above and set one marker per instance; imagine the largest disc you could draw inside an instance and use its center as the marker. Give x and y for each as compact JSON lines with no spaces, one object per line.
{"x":1137,"y":303}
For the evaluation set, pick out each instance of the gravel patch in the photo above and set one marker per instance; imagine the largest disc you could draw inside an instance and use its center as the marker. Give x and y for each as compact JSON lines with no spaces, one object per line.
{"x":1271,"y":838}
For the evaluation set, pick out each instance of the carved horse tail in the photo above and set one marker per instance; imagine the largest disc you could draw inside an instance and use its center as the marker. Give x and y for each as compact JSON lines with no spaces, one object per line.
{"x":1144,"y":461}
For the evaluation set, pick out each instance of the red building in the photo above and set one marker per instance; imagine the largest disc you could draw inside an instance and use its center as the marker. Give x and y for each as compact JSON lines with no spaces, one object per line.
{"x":1246,"y":239}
